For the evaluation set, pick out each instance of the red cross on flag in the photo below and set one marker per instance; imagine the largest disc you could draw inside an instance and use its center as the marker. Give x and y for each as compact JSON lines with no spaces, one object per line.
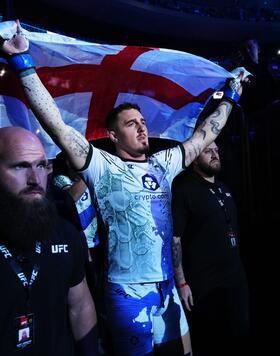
{"x":88,"y":79}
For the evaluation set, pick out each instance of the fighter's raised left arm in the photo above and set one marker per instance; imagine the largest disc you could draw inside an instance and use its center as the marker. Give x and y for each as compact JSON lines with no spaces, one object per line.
{"x":210,"y":128}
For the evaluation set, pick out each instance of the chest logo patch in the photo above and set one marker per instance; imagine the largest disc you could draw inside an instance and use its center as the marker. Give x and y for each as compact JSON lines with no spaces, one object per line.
{"x":150,"y":182}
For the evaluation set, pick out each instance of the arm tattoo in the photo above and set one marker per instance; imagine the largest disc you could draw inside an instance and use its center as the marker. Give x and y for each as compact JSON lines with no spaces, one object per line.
{"x":47,"y":113}
{"x":214,"y":118}
{"x":216,"y":113}
{"x":206,"y":132}
{"x":228,"y":107}
{"x":215,"y":127}
{"x":194,"y":150}
{"x":201,"y":130}
{"x":25,"y":87}
{"x":78,"y":144}
{"x":177,"y":253}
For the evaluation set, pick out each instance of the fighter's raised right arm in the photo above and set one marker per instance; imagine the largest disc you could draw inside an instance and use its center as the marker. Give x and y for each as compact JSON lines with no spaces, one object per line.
{"x":75,"y":145}
{"x":42,"y":104}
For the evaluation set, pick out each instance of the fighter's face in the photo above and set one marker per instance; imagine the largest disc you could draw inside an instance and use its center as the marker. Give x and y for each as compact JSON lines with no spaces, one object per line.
{"x":131,"y":134}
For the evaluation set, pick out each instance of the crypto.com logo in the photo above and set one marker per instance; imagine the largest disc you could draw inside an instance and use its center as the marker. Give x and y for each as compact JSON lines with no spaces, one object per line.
{"x":150,"y":182}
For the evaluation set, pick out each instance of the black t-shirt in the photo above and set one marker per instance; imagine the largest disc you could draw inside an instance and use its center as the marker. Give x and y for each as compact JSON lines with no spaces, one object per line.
{"x":65,"y":205}
{"x":210,"y":259}
{"x":61,"y":264}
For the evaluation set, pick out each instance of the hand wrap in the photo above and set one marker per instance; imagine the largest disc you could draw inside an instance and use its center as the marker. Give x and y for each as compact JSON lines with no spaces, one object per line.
{"x":21,"y":61}
{"x":231,"y":95}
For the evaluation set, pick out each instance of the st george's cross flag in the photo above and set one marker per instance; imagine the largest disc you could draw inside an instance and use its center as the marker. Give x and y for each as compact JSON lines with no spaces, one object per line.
{"x":88,"y":79}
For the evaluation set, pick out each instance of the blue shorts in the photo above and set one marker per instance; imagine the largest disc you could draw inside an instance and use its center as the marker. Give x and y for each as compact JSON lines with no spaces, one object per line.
{"x":141,"y":315}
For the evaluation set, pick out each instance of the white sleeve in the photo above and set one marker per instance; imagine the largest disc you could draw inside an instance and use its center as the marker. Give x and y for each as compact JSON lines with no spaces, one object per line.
{"x":172,"y":160}
{"x":96,"y":164}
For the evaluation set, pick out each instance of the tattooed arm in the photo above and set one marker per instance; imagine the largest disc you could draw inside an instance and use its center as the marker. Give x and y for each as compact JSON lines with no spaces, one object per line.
{"x":183,"y":288}
{"x":210,"y":128}
{"x":42,"y":104}
{"x":46,"y":111}
{"x":206,"y":132}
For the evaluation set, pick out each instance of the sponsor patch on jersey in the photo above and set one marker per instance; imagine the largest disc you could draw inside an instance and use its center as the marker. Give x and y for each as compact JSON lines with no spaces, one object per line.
{"x":150,"y":182}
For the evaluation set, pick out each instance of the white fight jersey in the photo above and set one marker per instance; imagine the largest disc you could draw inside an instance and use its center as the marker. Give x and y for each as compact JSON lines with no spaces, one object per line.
{"x":134,"y":200}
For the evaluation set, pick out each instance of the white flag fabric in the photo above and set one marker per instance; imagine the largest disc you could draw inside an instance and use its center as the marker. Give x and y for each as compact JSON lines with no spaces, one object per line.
{"x":88,"y":79}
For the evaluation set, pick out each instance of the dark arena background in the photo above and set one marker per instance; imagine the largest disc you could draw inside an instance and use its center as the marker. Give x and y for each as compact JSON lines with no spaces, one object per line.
{"x":215,"y":30}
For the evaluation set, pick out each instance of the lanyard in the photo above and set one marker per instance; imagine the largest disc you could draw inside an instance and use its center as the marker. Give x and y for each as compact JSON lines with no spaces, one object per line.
{"x":218,"y":193}
{"x":18,"y":269}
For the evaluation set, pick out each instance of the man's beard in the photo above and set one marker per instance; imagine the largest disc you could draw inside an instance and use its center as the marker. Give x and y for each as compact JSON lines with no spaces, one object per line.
{"x":24,"y":222}
{"x":208,"y":169}
{"x":145,"y":149}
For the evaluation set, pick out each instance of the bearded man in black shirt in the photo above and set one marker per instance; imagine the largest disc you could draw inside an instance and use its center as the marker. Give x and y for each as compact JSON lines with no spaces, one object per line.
{"x":212,"y":280}
{"x":42,"y":278}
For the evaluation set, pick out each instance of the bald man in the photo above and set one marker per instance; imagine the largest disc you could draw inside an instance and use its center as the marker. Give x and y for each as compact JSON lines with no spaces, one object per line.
{"x":41,"y":260}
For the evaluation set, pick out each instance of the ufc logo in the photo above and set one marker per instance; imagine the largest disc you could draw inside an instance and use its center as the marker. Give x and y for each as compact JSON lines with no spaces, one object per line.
{"x":59,"y":248}
{"x":5,"y":252}
{"x":23,"y":279}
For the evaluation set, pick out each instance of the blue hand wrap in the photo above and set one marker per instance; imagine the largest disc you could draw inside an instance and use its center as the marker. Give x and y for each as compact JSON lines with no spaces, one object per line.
{"x":231,"y":95}
{"x":21,"y":61}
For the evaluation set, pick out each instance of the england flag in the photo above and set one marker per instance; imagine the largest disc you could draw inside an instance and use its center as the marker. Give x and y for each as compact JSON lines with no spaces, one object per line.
{"x":88,"y":79}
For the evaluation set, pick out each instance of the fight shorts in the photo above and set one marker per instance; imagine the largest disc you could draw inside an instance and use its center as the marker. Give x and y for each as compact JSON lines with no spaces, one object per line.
{"x":142,"y":315}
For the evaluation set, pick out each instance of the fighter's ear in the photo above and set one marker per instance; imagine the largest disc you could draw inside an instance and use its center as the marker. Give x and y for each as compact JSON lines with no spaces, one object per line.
{"x":113,"y":136}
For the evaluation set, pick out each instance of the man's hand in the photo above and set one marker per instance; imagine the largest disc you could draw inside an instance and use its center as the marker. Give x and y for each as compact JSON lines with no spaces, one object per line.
{"x":185,"y":294}
{"x":17,"y":44}
{"x":241,"y":75}
{"x":235,"y":84}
